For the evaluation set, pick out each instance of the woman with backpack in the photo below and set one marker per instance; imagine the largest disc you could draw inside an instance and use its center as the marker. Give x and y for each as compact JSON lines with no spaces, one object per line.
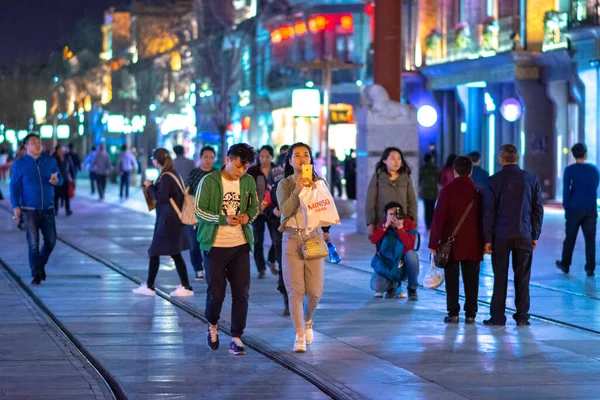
{"x":170,"y":237}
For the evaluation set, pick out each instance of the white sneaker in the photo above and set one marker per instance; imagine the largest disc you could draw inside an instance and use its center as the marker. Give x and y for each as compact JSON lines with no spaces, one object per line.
{"x":308,"y":332}
{"x":378,"y":295}
{"x":182,"y":292}
{"x":300,"y":343}
{"x":143,"y":289}
{"x":199,"y":276}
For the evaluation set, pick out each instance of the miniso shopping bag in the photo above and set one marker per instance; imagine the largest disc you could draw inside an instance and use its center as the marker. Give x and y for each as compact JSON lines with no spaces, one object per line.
{"x":434,"y":277}
{"x":318,"y":207}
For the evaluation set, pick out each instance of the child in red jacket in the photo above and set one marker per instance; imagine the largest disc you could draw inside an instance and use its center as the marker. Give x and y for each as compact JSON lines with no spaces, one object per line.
{"x":396,"y":258}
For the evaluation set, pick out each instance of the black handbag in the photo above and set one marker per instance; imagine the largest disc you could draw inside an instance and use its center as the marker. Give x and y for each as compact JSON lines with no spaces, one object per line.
{"x":442,"y":254}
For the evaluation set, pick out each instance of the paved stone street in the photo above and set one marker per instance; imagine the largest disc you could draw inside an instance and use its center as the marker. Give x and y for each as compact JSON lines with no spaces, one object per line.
{"x":364,"y":347}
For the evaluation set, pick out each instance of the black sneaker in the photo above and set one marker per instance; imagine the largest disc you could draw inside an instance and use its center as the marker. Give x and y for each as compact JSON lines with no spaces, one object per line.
{"x":412,"y":294}
{"x":261,"y":275}
{"x":451,"y":319}
{"x":523,"y":323}
{"x":493,"y":322}
{"x":236,"y":347}
{"x":590,"y":274}
{"x":36,"y":281}
{"x":469,"y":320}
{"x":562,"y":267}
{"x":212,"y":336}
{"x":391,"y":294}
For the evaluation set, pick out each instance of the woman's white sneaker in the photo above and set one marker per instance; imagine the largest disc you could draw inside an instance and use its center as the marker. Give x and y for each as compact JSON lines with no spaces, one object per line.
{"x":143,"y":289}
{"x":182,"y":292}
{"x":300,"y":343}
{"x":308,"y":332}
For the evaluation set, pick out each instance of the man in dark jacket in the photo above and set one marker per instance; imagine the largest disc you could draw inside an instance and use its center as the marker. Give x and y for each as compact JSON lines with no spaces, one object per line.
{"x":32,"y":184}
{"x":479,"y":176}
{"x":467,"y":250}
{"x":512,"y":222}
{"x":580,"y":186}
{"x":207,"y":161}
{"x":261,"y":171}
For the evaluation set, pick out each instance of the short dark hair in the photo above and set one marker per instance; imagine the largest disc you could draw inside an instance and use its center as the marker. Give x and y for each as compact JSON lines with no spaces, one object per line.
{"x":428,"y":158}
{"x":578,"y":150}
{"x":123,"y":147}
{"x":463,"y":166}
{"x":31,"y":135}
{"x":475,"y":156}
{"x":244,"y":151}
{"x":392,"y":204}
{"x":93,"y":148}
{"x":71,"y":146}
{"x":509,"y":153}
{"x":205,"y":149}
{"x":178,"y":150}
{"x":269,"y":149}
{"x":283,"y":148}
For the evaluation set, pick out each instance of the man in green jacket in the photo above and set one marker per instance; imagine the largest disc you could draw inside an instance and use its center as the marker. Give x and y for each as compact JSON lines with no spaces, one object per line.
{"x":226,"y":205}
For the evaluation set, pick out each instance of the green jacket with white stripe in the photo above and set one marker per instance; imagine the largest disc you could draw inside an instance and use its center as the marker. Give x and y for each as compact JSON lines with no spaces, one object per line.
{"x":209,"y":206}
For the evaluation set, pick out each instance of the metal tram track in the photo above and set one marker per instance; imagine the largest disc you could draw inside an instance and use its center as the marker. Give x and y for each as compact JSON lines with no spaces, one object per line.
{"x":110,"y":382}
{"x":327,"y":384}
{"x":488,"y":303}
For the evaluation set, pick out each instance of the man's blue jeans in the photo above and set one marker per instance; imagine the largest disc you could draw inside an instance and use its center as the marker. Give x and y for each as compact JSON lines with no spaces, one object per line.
{"x":195,"y":252}
{"x":35,"y":222}
{"x":380,"y":283}
{"x":124,"y":184}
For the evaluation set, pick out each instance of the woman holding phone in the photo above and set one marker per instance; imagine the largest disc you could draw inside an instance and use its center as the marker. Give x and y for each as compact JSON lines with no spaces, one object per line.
{"x":302,"y":277}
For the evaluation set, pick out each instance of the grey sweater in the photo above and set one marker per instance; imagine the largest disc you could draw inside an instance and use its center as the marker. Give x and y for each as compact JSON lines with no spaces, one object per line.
{"x":382,"y":190}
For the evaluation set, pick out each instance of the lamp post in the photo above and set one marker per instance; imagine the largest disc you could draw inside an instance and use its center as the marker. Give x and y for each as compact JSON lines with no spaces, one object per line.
{"x":327,"y":66}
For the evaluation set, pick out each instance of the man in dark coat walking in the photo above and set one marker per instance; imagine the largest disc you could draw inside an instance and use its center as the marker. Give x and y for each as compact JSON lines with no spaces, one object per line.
{"x":580,"y":187}
{"x":467,"y":251}
{"x":512,"y":222}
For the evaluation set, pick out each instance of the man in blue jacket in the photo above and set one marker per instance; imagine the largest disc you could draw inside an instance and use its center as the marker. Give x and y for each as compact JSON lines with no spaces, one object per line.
{"x":580,"y":188}
{"x":32,"y":183}
{"x":479,"y":175}
{"x":512,"y":222}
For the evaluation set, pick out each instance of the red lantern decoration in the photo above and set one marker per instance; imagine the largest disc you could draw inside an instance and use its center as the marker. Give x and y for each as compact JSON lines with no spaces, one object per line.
{"x":245,"y":123}
{"x":370,"y":9}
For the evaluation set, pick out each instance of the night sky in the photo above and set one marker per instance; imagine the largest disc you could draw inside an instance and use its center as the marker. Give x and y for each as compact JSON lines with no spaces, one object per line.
{"x":34,"y":28}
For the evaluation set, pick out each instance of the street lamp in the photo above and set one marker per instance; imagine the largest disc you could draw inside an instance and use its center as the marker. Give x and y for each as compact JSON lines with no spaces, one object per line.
{"x":327,"y":66}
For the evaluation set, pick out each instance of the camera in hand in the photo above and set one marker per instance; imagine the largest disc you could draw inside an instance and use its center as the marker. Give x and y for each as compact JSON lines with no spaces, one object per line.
{"x":399,"y":214}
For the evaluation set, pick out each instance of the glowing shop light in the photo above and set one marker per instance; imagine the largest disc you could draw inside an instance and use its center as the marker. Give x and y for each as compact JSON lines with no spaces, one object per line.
{"x":63,"y":131}
{"x":511,"y":110}
{"x":427,"y":116}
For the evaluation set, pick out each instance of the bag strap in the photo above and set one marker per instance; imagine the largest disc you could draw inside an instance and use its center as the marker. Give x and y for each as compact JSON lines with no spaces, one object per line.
{"x":177,"y":180}
{"x":464,"y":216}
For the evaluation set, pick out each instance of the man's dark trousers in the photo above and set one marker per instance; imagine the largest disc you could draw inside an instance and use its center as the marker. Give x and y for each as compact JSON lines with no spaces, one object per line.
{"x":125,"y":184}
{"x":258,"y":227}
{"x":429,"y":210}
{"x":586,"y":219}
{"x":522,"y":255}
{"x":470,"y":274}
{"x":195,"y":252}
{"x":231,"y":264}
{"x":93,"y":181}
{"x":36,"y":221}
